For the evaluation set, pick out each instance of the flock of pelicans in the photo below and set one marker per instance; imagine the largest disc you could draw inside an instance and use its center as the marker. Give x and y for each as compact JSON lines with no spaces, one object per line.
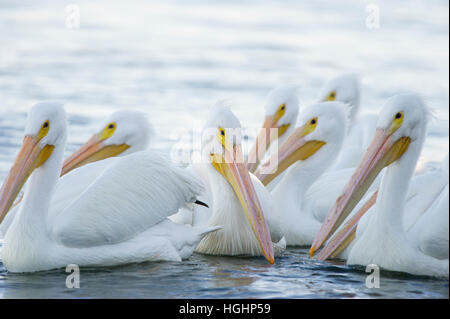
{"x":345,"y":185}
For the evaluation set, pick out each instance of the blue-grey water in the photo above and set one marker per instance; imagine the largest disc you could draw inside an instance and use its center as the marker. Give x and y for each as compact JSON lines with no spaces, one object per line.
{"x":173,"y":60}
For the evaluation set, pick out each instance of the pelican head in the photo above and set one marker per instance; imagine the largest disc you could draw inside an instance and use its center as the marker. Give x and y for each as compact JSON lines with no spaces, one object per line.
{"x":221,"y":147}
{"x":124,"y":132}
{"x":45,"y":129}
{"x":401,"y":126}
{"x":318,"y":125}
{"x":281,"y":113}
{"x":343,"y":88}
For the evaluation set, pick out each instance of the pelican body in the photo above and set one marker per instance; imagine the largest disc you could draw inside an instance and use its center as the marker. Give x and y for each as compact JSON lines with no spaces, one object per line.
{"x":106,"y":213}
{"x":395,"y":148}
{"x":424,"y":220}
{"x":240,"y":204}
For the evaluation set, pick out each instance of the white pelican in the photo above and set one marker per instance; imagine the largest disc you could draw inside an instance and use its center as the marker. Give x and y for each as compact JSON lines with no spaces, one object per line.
{"x":105,"y":213}
{"x":424,"y":221}
{"x":308,"y":152}
{"x":383,"y":241}
{"x":281,"y":109}
{"x":240,"y":203}
{"x":345,"y":88}
{"x":122,"y":133}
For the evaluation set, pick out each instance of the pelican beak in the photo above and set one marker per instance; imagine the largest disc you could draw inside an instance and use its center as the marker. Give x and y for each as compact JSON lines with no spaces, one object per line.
{"x":346,"y":234}
{"x":233,"y":168}
{"x":93,"y":150}
{"x":383,"y":151}
{"x":31,"y":156}
{"x":263,"y":141}
{"x":296,"y":148}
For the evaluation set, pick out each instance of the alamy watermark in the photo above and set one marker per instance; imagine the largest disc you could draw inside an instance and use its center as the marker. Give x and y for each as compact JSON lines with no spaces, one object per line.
{"x":373,"y":16}
{"x":72,"y":16}
{"x":196,"y":146}
{"x":373,"y":279}
{"x":73,"y":279}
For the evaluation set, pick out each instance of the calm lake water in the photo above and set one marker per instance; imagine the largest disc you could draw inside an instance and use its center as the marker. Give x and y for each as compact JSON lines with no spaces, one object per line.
{"x":174,"y":59}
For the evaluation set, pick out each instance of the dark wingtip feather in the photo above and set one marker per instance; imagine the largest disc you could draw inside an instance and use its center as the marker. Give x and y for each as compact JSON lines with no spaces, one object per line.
{"x":201,"y":203}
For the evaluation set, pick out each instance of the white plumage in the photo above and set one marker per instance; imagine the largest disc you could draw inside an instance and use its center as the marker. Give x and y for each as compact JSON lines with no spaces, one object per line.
{"x":237,"y":237}
{"x":281,"y":111}
{"x":345,"y":88}
{"x":132,"y":129}
{"x":105,"y":213}
{"x":150,"y":187}
{"x":381,"y":239}
{"x":298,"y":220}
{"x":424,"y":223}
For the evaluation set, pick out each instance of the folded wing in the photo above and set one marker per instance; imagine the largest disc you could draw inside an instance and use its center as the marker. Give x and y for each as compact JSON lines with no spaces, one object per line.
{"x":117,"y":199}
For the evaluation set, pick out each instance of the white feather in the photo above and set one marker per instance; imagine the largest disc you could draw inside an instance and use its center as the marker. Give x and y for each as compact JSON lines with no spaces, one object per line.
{"x":106,"y":213}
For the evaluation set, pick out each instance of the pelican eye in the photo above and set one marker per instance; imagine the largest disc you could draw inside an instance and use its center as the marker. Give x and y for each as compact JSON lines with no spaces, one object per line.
{"x":310,"y":126}
{"x":222,"y":137}
{"x":331,"y":96}
{"x":108,"y":131}
{"x":280,"y":112}
{"x":397,"y":122}
{"x":44,"y":129}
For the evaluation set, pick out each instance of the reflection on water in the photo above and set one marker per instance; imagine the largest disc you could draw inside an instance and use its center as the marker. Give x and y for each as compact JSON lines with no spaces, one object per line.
{"x":173,"y":60}
{"x":224,"y":278}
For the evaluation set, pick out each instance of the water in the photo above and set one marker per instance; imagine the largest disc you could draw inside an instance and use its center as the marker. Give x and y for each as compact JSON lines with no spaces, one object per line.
{"x":293,"y":276}
{"x":174,"y":59}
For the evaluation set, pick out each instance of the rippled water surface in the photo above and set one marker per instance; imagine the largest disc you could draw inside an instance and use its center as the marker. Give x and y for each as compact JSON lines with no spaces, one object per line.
{"x":293,"y":276}
{"x":174,"y":59}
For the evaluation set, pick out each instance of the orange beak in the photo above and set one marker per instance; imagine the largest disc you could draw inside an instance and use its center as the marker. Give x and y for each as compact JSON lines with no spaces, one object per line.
{"x":237,"y":175}
{"x":263,"y":140}
{"x":296,"y":148}
{"x":93,"y":150}
{"x":346,"y":234}
{"x":381,"y":153}
{"x":30,"y":157}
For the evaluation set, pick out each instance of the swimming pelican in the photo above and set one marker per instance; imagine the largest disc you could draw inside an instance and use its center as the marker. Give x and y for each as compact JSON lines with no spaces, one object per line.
{"x":345,"y":88}
{"x":122,"y":133}
{"x":396,"y":146}
{"x":424,"y":220}
{"x":308,"y":152}
{"x":282,"y":108}
{"x":240,"y":203}
{"x":106,"y":213}
{"x":360,"y":130}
